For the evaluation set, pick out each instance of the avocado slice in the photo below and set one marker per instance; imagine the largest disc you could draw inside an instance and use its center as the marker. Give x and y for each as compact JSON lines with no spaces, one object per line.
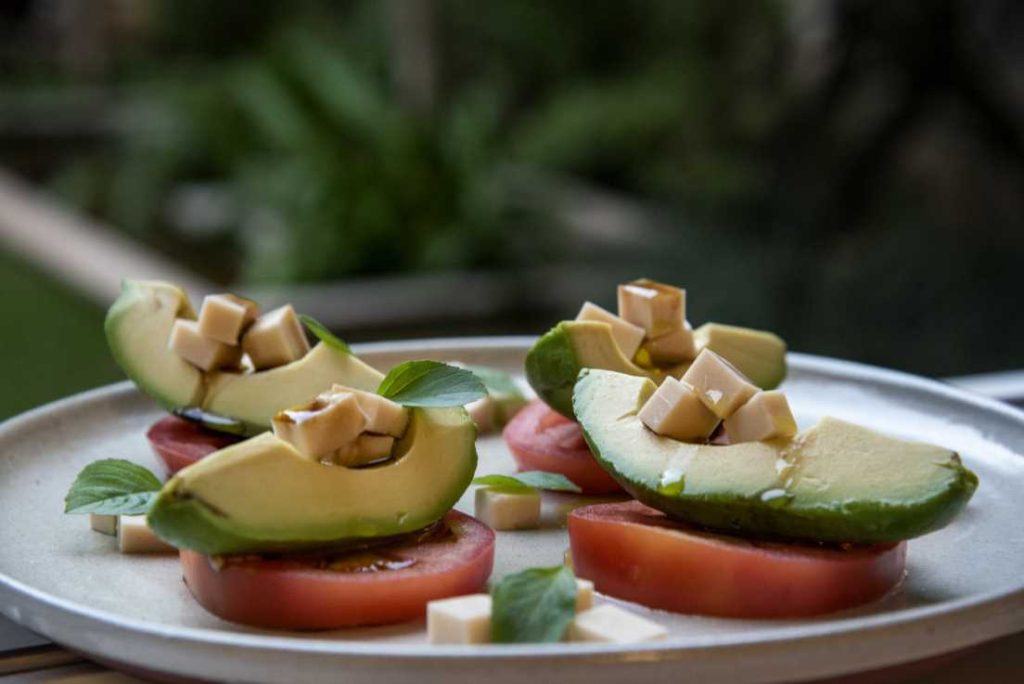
{"x":555,"y":361}
{"x":138,"y":325}
{"x":835,"y":482}
{"x":262,"y":495}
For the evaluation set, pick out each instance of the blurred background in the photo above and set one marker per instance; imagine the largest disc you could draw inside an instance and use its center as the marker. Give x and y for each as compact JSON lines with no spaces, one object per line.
{"x":849,"y":174}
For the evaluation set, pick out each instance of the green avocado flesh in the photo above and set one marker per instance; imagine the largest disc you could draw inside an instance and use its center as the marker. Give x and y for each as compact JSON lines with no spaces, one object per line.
{"x":138,"y":326}
{"x":262,"y":495}
{"x":835,"y":482}
{"x":555,"y":361}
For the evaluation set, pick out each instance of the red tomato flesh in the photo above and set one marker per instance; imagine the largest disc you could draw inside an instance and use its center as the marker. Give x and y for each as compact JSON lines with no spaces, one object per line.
{"x":377,"y":586}
{"x":180,"y":443}
{"x":636,"y":553}
{"x":543,"y":439}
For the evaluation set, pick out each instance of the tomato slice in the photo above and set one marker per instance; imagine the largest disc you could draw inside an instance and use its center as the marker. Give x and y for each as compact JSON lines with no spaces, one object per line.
{"x":378,"y":586}
{"x":636,"y":553}
{"x":543,"y":439}
{"x":180,"y":443}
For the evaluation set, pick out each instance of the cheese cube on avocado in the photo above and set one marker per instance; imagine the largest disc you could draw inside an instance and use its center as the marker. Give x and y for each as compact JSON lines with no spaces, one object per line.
{"x":627,"y":335}
{"x":508,"y":510}
{"x":766,"y":415}
{"x":276,"y":338}
{"x":383,"y":416}
{"x":224,"y":317}
{"x":364,"y":450}
{"x":657,"y":308}
{"x":675,"y":411}
{"x":321,"y":427}
{"x":718,"y":384}
{"x":460,"y":620}
{"x":671,"y":348}
{"x":610,"y":624}
{"x":201,"y":351}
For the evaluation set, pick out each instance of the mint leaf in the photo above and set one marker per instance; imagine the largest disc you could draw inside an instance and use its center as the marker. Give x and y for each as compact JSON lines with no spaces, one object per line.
{"x":533,"y":479}
{"x":430,"y":384}
{"x":496,"y":381}
{"x":112,"y":487}
{"x":533,"y":606}
{"x":323,"y":334}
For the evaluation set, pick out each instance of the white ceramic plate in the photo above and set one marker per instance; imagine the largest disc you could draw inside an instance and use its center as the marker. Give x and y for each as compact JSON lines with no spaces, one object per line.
{"x":965,"y":583}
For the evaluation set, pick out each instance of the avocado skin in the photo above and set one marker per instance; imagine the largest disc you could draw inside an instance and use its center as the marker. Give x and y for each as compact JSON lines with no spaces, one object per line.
{"x":552,"y":369}
{"x":861,"y":522}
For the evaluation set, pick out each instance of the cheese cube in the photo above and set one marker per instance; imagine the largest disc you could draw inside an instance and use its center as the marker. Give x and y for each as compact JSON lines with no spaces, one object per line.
{"x":276,"y":338}
{"x":482,"y":411}
{"x":625,"y":334}
{"x":584,"y":595}
{"x":321,"y":427}
{"x":718,"y":384}
{"x":201,"y":351}
{"x":224,"y":317}
{"x":364,"y":450}
{"x":383,"y":416}
{"x":675,"y":411}
{"x":104,"y":524}
{"x":610,"y":624}
{"x":671,"y":348}
{"x":460,"y":620}
{"x":508,"y":510}
{"x":657,"y":308}
{"x":134,"y":536}
{"x":766,"y":415}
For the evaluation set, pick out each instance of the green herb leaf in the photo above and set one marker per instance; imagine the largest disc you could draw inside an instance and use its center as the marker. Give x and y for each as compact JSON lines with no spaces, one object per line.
{"x":431,"y":384}
{"x":323,"y":334}
{"x":112,"y":487}
{"x":533,"y":479}
{"x":533,"y":606}
{"x":497,"y":382}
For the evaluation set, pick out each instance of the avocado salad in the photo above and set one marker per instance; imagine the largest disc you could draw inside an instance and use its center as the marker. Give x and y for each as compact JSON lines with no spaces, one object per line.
{"x":308,"y":490}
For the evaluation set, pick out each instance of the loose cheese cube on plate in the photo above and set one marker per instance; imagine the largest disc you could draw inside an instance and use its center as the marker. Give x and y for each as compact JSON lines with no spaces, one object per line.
{"x":508,"y":510}
{"x":584,"y":595}
{"x":766,"y":415}
{"x":104,"y":524}
{"x":364,"y":450}
{"x":721,"y":387}
{"x":201,"y":351}
{"x":460,"y":620}
{"x":383,"y":416}
{"x":276,"y":338}
{"x":223,"y":317}
{"x":675,"y":411}
{"x":134,"y":536}
{"x":657,"y":308}
{"x":626,"y":335}
{"x":674,"y":347}
{"x":611,"y":624}
{"x":321,"y":427}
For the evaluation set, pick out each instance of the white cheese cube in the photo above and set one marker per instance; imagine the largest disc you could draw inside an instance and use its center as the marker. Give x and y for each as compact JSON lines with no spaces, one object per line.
{"x":201,"y":351}
{"x":364,"y":450}
{"x":104,"y":524}
{"x":482,"y":411}
{"x":508,"y":510}
{"x":766,"y":415}
{"x":383,"y":416}
{"x":671,"y":348}
{"x":657,"y":308}
{"x":675,"y":411}
{"x":584,"y":595}
{"x":626,"y":335}
{"x":460,"y":620}
{"x":718,"y":384}
{"x":321,"y":427}
{"x":223,"y":317}
{"x":610,"y":624}
{"x":276,"y":338}
{"x":134,"y":536}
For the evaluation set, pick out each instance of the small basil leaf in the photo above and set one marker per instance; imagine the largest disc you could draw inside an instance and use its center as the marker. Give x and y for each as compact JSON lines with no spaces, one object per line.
{"x":533,"y":606}
{"x":430,"y":384}
{"x":533,"y":479}
{"x":505,"y":482}
{"x":496,"y":381}
{"x":323,"y":334}
{"x":112,"y":487}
